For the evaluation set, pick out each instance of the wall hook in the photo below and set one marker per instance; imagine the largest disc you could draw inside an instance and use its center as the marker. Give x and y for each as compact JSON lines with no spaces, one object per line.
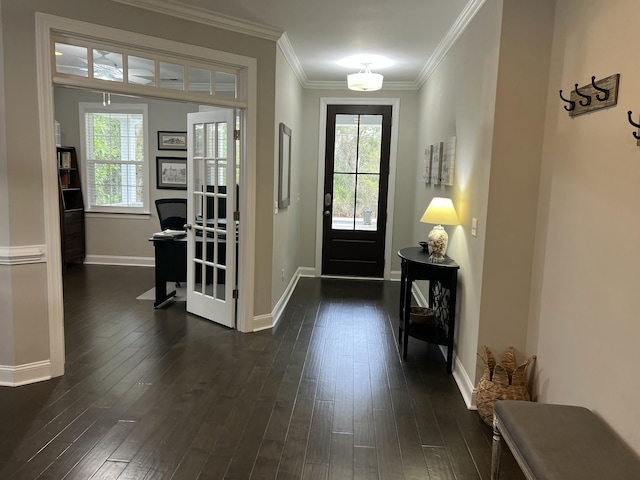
{"x":588,"y":97}
{"x":606,"y":92}
{"x":635,"y":135}
{"x":572,"y":104}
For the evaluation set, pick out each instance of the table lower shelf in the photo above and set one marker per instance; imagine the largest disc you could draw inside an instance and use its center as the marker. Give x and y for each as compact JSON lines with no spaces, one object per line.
{"x":427,"y":333}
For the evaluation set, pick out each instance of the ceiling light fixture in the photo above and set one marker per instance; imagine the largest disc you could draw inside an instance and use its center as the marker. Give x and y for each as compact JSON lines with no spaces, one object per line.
{"x":365,"y":80}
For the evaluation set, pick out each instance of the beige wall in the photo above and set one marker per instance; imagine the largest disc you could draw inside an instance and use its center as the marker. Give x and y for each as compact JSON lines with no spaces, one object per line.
{"x":286,"y":224}
{"x":459,"y":100}
{"x":584,"y":324}
{"x":22,"y":161}
{"x":406,"y":158}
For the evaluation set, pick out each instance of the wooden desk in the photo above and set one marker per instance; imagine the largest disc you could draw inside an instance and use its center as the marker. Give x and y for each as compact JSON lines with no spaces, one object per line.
{"x":171,"y":265}
{"x":443,"y":285}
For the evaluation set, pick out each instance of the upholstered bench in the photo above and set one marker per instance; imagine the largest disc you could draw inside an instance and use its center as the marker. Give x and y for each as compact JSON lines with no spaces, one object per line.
{"x":560,"y":442}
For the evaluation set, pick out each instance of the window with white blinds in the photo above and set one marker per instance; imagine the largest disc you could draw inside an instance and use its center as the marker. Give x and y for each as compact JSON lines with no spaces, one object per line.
{"x":115,"y":157}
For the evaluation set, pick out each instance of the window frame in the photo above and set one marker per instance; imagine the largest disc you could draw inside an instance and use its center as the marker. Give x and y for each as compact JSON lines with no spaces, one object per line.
{"x":120,"y":108}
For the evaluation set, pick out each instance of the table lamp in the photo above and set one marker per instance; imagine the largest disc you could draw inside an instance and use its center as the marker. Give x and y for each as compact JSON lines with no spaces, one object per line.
{"x":439,"y":212}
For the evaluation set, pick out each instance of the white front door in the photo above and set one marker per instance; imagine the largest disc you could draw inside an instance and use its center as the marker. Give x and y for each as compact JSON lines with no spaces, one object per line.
{"x":212,"y":232}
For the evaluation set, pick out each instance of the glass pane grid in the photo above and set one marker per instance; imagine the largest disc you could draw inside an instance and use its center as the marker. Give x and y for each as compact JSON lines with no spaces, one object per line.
{"x":358,"y":140}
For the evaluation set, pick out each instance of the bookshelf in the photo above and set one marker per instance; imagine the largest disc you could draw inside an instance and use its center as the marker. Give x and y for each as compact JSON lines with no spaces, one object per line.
{"x":71,"y":206}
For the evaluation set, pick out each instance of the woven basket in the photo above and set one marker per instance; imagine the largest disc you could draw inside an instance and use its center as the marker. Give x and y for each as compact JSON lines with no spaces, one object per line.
{"x":501,"y":381}
{"x":421,"y":315}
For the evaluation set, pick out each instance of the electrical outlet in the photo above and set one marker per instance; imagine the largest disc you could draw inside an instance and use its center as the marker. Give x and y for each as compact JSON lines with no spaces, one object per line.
{"x":474,"y":227}
{"x":283,"y":274}
{"x":275,"y":207}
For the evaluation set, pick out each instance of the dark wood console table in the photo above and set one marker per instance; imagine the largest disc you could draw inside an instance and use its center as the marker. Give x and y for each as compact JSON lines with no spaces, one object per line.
{"x":443,"y":285}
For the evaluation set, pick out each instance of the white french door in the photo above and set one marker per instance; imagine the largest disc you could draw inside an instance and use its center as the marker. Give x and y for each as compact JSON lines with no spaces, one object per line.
{"x":212,"y":229}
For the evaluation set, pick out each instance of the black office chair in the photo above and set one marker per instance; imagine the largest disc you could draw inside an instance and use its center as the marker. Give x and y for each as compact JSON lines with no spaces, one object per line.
{"x":172,"y":213}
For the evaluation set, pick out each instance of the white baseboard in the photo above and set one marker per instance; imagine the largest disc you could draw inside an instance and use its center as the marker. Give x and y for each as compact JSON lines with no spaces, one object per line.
{"x":14,"y":376}
{"x":262,"y":322}
{"x":121,"y":261}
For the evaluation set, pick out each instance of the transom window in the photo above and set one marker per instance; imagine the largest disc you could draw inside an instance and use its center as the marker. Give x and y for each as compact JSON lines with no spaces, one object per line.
{"x":115,"y":157}
{"x":92,"y":61}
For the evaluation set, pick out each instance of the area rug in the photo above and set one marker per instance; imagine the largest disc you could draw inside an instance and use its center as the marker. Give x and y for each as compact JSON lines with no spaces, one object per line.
{"x":181,"y":293}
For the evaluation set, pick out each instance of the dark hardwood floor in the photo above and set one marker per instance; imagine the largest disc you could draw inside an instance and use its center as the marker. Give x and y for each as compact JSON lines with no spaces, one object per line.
{"x":151,"y":394}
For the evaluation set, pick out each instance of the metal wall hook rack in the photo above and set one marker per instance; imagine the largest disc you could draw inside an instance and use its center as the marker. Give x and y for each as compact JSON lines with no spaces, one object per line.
{"x":572,"y":104}
{"x":580,"y":94}
{"x":637,"y":125}
{"x":581,"y":100}
{"x":604,"y":90}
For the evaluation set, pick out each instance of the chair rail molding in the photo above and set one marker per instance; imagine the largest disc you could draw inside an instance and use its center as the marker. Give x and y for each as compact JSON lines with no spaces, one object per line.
{"x":22,"y":255}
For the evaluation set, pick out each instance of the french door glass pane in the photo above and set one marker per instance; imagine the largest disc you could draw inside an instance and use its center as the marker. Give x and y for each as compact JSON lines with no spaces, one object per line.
{"x":346,"y":143}
{"x":344,"y":189}
{"x":370,"y":140}
{"x":367,"y":202}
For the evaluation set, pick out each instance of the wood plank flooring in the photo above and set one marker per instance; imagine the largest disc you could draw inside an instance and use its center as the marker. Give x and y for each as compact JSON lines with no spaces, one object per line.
{"x":162,"y":394}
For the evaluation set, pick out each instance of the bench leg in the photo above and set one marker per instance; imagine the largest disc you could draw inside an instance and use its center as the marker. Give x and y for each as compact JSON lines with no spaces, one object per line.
{"x":495,"y":451}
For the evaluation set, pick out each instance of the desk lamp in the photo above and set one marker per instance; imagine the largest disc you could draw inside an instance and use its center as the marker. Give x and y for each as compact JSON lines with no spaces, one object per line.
{"x":439,"y":212}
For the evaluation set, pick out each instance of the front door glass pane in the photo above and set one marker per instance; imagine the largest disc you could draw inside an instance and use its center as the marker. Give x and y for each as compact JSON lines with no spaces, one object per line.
{"x":356,"y":172}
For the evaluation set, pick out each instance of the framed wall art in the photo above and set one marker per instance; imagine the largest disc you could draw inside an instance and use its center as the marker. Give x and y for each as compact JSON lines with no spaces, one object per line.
{"x":171,"y":173}
{"x":284,"y":180}
{"x":172,"y":140}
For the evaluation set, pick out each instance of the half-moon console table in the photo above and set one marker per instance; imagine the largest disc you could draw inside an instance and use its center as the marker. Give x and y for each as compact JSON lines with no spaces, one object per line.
{"x":443,"y":286}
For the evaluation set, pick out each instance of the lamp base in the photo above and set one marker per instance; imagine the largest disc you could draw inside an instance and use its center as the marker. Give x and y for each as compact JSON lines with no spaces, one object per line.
{"x":437,"y":241}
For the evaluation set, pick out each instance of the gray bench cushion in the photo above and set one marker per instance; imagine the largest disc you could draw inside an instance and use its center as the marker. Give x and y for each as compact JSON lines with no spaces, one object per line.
{"x":564,"y":442}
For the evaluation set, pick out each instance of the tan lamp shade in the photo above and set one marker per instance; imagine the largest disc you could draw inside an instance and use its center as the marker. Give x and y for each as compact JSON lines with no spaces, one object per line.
{"x":440,"y":212}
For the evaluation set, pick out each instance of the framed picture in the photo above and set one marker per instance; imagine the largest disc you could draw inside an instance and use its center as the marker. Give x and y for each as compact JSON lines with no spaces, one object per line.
{"x":426,"y":174}
{"x":448,"y":160}
{"x":436,"y":163}
{"x":172,"y":141}
{"x":284,"y":178}
{"x":171,"y":173}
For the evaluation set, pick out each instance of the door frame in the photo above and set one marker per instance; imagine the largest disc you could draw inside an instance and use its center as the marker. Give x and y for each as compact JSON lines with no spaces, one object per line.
{"x":46,"y":26}
{"x":395,"y":121}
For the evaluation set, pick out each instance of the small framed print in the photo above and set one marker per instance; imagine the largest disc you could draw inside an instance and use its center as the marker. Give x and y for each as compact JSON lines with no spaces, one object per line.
{"x":172,"y":141}
{"x":171,"y":173}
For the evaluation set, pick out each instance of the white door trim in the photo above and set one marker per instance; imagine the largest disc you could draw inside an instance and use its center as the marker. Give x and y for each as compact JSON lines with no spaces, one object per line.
{"x":395,"y":121}
{"x":45,"y":27}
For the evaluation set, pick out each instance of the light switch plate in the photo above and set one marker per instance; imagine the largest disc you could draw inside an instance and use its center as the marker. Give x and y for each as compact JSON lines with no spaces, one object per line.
{"x":474,"y":227}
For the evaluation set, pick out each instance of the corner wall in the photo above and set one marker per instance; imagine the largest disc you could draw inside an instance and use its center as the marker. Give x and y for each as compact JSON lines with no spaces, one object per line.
{"x":458,"y":100}
{"x":286,"y":223}
{"x":584,"y":317}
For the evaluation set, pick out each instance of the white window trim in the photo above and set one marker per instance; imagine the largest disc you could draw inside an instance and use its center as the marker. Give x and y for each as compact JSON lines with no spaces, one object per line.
{"x":85,"y":107}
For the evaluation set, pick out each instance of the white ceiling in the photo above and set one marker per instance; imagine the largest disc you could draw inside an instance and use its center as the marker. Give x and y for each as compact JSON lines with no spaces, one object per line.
{"x":413,"y":34}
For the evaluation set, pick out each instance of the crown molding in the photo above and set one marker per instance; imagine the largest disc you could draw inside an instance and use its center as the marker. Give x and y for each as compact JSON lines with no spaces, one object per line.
{"x":449,"y":39}
{"x":290,"y":55}
{"x":201,"y":15}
